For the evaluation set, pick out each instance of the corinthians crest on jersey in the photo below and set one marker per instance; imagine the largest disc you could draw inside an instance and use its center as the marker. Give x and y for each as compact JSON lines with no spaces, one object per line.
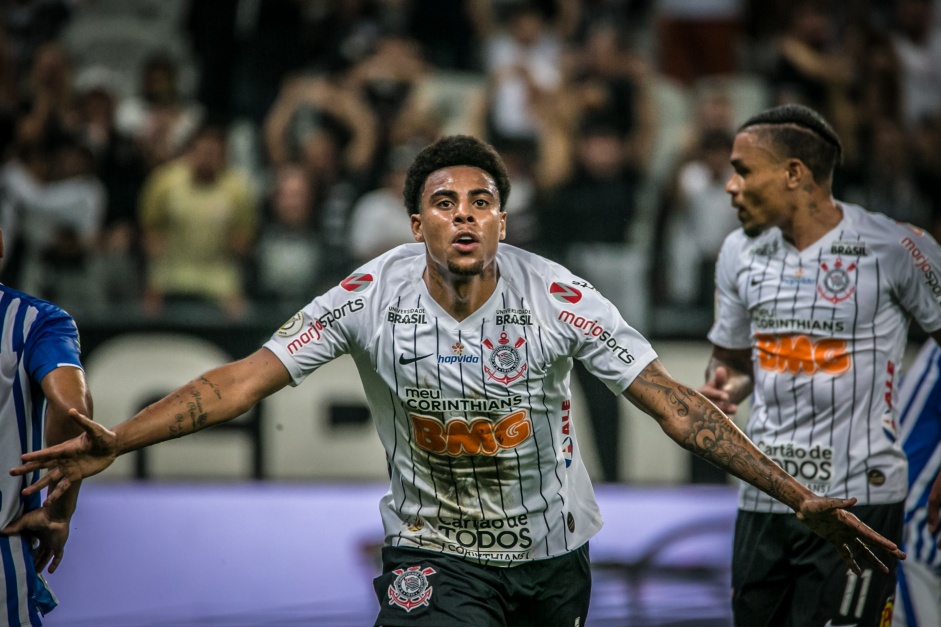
{"x":505,"y":365}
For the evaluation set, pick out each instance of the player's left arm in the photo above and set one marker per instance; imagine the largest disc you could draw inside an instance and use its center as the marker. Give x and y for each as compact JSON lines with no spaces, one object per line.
{"x":697,"y":425}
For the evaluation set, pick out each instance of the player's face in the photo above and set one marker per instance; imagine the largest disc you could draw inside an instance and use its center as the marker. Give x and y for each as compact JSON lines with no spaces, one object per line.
{"x":758,"y":184}
{"x":460,"y":220}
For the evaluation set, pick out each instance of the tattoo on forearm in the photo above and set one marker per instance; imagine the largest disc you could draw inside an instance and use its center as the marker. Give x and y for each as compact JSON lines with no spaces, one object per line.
{"x":709,"y":433}
{"x":212,"y":386}
{"x":176,"y":429}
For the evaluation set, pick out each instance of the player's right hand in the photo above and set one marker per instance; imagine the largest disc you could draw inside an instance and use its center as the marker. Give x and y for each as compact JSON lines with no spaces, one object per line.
{"x":72,"y":460}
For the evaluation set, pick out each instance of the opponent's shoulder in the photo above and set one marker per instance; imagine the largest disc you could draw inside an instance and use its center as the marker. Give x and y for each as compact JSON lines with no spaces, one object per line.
{"x":36,"y":313}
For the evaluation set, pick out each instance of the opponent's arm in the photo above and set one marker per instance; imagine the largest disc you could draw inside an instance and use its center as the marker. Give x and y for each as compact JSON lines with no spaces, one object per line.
{"x":217,"y":396}
{"x":64,"y":388}
{"x":698,"y":426}
{"x":729,"y":378}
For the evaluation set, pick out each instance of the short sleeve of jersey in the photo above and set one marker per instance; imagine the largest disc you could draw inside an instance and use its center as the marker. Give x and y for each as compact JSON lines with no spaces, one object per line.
{"x":318,"y":333}
{"x":916,"y":267}
{"x":732,"y":326}
{"x":52,"y":342}
{"x":598,"y":335}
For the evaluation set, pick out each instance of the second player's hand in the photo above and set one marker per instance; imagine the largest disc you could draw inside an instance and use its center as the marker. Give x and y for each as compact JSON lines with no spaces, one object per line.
{"x":72,"y":460}
{"x":828,"y":518}
{"x":716,"y":391}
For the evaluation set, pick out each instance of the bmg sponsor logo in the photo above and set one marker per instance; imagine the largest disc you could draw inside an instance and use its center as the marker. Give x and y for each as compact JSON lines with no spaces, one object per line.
{"x":794,"y":354}
{"x":478,"y":436}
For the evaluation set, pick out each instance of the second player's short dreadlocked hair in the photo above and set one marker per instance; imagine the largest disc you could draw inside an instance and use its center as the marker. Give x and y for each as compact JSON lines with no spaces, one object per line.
{"x":800,"y":132}
{"x":454,"y":150}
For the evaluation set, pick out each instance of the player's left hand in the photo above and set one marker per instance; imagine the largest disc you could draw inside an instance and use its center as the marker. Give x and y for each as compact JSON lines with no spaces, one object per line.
{"x":52,"y":535}
{"x":828,"y":518}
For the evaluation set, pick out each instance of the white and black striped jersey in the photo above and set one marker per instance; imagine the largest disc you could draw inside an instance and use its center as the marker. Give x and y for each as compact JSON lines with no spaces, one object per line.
{"x":920,"y":432}
{"x":475,"y":415}
{"x":827,"y":327}
{"x":36,"y":337}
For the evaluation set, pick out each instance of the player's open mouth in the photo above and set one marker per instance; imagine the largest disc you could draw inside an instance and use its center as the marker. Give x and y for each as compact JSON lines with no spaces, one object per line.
{"x":465,"y":242}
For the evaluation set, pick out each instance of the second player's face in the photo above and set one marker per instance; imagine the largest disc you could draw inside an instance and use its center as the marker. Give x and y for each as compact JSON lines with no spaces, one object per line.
{"x":757,"y":185}
{"x":460,"y":220}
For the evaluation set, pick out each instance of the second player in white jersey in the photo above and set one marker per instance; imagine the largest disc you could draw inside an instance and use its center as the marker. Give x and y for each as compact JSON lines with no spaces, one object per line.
{"x":474,"y":415}
{"x":828,"y":326}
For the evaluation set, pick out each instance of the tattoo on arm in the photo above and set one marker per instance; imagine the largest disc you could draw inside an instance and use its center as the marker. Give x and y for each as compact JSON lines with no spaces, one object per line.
{"x":212,"y":386}
{"x":705,"y":431}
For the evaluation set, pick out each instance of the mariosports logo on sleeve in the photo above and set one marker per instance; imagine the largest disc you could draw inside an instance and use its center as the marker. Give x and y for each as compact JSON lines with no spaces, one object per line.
{"x":324,"y":321}
{"x":592,"y":329}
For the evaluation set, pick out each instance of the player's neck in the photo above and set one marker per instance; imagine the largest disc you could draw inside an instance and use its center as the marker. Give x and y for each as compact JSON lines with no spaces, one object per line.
{"x":461,"y":295}
{"x":812,"y":221}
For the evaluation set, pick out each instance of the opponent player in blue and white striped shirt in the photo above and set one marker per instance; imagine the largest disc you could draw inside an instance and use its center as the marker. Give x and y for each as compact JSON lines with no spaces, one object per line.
{"x":918,"y":600}
{"x":41,"y":378}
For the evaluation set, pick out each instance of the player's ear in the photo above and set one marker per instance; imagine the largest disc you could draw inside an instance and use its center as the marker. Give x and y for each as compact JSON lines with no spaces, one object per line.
{"x":417,"y":228}
{"x":502,"y":225}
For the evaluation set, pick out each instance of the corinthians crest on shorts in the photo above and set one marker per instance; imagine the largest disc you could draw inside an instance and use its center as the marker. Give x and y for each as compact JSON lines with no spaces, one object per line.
{"x":505,"y":360}
{"x":410,"y":588}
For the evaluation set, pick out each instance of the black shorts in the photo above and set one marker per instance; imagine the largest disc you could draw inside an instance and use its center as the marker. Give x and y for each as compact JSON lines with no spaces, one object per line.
{"x":784,"y":575}
{"x":426,"y":588}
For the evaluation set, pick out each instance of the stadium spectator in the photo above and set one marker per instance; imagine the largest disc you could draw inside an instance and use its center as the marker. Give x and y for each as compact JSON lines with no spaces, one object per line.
{"x":198,"y":221}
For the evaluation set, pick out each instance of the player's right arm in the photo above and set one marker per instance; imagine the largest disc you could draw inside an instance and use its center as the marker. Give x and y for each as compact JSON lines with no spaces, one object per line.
{"x":217,"y":396}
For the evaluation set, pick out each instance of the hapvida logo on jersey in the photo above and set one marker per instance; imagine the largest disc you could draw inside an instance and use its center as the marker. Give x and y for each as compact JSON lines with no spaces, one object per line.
{"x":795,"y":354}
{"x":505,"y":360}
{"x":458,"y":356}
{"x":838,"y":282}
{"x":478,"y":436}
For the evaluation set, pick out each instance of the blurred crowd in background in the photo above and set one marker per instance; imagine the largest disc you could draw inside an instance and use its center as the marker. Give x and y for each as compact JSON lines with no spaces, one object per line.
{"x":236,"y":158}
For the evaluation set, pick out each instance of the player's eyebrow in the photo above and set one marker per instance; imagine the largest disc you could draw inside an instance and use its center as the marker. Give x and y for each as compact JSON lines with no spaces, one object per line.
{"x":450,"y":193}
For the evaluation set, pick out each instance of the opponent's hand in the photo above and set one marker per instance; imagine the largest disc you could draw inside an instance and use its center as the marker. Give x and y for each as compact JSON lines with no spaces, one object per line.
{"x":716,"y":391}
{"x":52,"y":535}
{"x":828,"y":518}
{"x":72,"y":460}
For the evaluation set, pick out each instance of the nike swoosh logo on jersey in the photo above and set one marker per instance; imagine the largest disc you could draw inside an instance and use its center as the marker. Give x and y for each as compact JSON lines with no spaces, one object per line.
{"x":411,"y":360}
{"x":755,"y":281}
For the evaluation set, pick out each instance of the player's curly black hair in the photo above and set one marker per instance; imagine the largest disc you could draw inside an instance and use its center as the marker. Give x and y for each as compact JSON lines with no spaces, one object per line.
{"x":451,"y":151}
{"x":800,"y":132}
